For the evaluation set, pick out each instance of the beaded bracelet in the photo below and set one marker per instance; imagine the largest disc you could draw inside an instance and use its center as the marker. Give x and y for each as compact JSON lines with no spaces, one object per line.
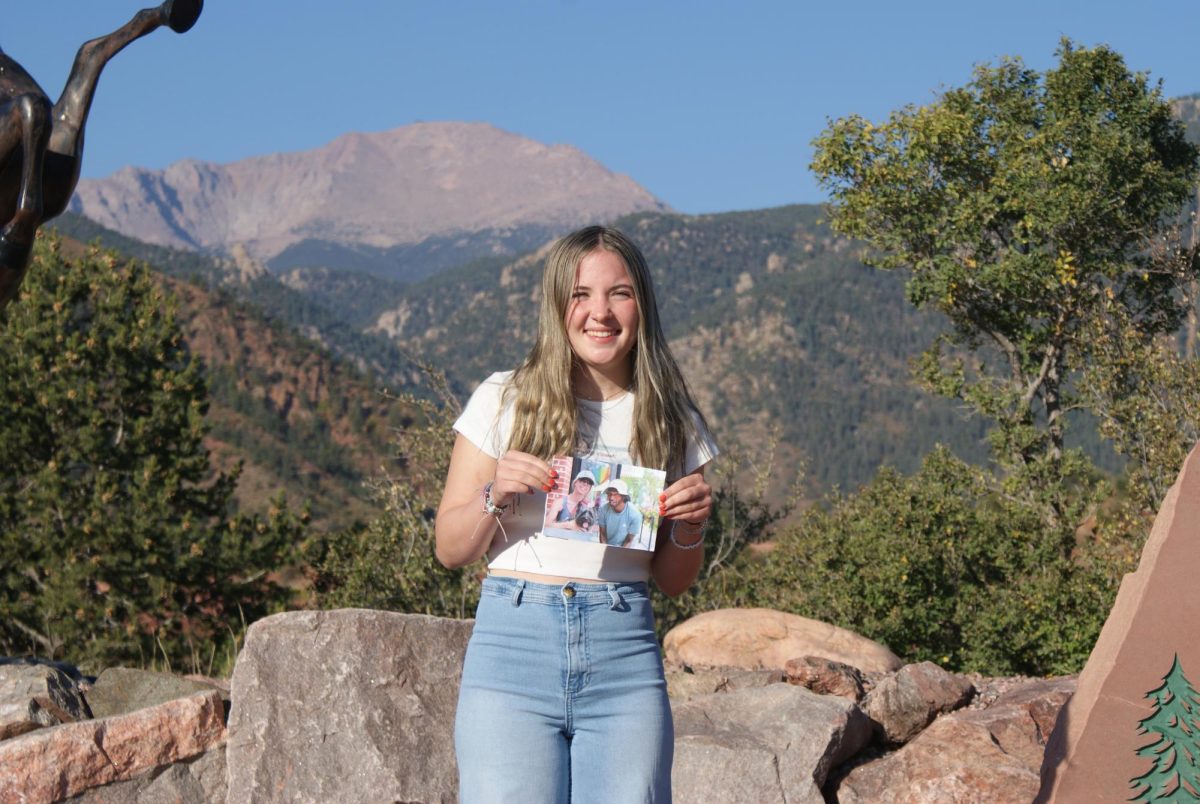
{"x":694,"y":544}
{"x":490,"y":507}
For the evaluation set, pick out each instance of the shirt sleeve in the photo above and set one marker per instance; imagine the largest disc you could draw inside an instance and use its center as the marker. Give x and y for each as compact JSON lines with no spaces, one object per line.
{"x":700,"y":449}
{"x":481,"y":421}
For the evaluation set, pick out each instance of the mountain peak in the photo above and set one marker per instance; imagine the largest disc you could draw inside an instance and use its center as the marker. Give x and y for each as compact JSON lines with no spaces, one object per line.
{"x":378,"y":190}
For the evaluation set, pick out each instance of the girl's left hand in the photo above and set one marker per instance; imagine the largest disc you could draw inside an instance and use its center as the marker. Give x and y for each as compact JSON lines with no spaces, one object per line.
{"x":688,"y":498}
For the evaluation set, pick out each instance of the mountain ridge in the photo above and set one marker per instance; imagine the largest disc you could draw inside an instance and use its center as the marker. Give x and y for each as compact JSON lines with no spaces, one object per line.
{"x":372,"y":191}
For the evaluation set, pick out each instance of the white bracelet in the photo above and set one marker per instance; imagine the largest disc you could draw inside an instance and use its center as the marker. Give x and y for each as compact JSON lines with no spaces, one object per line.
{"x":693,"y":545}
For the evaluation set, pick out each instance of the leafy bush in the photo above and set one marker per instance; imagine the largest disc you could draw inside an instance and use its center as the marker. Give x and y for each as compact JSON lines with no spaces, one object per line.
{"x":389,"y":563}
{"x":944,"y":566}
{"x":744,"y":513}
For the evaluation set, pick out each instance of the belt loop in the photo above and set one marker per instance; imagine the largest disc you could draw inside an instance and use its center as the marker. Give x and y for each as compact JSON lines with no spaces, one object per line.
{"x":516,"y":596}
{"x":618,"y":602}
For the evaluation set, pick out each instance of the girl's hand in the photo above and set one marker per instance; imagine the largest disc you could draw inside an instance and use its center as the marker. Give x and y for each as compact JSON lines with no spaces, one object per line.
{"x":520,"y":473}
{"x":689,"y":498}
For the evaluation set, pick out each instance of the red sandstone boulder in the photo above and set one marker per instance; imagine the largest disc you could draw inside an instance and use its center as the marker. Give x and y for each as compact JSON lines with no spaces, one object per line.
{"x":987,"y":755}
{"x":62,"y":761}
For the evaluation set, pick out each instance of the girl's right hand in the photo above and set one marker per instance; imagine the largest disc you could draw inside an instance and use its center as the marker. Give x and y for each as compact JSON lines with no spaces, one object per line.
{"x":520,"y":473}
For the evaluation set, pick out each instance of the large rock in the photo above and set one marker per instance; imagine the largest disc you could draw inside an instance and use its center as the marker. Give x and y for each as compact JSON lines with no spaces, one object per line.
{"x":906,"y":702}
{"x":118,"y":690}
{"x":63,"y":761}
{"x":200,"y":780}
{"x":348,"y":705}
{"x":1093,"y":751}
{"x":683,"y":685}
{"x":36,"y":695}
{"x":987,"y":755}
{"x":768,"y":744}
{"x":762,"y":638}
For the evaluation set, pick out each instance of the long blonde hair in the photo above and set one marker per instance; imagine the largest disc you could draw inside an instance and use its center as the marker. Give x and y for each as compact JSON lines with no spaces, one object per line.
{"x":545,"y":421}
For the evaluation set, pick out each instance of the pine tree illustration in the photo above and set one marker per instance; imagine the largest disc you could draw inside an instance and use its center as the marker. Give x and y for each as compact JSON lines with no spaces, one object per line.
{"x":1174,"y":773}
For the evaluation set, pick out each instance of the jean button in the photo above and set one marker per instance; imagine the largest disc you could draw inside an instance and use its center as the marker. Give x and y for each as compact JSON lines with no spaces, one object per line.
{"x":568,"y":591}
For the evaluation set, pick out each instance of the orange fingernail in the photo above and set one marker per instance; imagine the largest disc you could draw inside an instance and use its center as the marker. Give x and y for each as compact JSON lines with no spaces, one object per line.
{"x":663,"y":496}
{"x":545,"y":488}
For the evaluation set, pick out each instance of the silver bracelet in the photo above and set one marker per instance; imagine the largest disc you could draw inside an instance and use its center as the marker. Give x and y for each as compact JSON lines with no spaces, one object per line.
{"x":490,"y":507}
{"x":693,"y":545}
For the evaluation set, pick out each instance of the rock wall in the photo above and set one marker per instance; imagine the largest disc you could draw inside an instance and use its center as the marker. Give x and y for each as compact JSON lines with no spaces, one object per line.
{"x":358,"y":705}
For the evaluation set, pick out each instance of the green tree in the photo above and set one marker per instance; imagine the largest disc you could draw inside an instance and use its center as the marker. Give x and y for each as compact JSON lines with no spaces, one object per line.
{"x":1144,"y":388}
{"x":1019,"y":203}
{"x":1174,"y":771}
{"x":117,"y":534}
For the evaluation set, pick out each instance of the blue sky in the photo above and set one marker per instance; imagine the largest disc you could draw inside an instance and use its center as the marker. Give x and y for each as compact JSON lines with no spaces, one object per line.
{"x":711,"y":106}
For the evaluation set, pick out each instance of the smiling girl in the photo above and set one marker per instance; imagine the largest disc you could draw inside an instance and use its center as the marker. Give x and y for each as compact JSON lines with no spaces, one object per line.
{"x":563,"y":697}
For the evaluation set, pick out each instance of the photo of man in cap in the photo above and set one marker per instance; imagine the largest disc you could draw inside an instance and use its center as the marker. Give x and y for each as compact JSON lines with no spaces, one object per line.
{"x":619,"y":521}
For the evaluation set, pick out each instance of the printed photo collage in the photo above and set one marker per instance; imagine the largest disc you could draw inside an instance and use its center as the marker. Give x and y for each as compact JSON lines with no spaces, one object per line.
{"x":613,"y":504}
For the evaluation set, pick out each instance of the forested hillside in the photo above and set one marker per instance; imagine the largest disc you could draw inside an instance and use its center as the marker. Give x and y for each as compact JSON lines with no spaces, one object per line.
{"x":301,"y":420}
{"x":784,"y":333}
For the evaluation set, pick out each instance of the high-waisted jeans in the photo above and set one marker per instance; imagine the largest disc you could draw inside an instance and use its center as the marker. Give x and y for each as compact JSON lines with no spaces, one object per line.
{"x":563,"y":697}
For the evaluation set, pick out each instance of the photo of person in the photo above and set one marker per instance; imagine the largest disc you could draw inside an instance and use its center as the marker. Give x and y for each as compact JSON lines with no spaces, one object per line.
{"x":620,"y":522}
{"x":571,"y":508}
{"x":577,"y":506}
{"x":604,"y":502}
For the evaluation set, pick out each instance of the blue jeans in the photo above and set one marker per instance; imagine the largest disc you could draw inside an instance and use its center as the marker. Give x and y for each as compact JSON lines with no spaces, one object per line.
{"x":563,"y":697}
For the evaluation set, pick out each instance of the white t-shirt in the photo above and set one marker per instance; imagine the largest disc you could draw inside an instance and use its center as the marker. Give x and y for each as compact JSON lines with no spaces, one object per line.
{"x":607,"y":428}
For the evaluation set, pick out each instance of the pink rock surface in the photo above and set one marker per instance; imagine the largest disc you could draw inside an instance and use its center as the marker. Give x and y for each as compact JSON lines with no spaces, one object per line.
{"x":1092,"y":753}
{"x":986,"y":755}
{"x":62,"y":761}
{"x":763,"y":638}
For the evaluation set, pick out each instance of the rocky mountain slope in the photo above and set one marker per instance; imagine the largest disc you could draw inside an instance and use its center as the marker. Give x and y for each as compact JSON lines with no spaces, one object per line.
{"x":400,"y":203}
{"x":781,"y":330}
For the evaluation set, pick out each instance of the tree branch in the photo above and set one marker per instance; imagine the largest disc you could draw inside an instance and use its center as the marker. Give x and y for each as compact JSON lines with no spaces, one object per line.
{"x":1044,"y":371}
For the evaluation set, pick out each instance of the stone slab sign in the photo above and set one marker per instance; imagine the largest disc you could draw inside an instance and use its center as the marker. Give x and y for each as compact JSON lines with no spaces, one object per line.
{"x":766,"y":639}
{"x":1155,"y":621}
{"x":348,"y":705}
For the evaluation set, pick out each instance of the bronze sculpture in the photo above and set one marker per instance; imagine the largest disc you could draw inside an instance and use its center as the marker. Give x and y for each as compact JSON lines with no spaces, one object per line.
{"x":41,"y":146}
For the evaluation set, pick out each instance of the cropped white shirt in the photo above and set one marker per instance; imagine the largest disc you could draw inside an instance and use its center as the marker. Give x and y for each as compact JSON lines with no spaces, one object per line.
{"x":607,"y":428}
